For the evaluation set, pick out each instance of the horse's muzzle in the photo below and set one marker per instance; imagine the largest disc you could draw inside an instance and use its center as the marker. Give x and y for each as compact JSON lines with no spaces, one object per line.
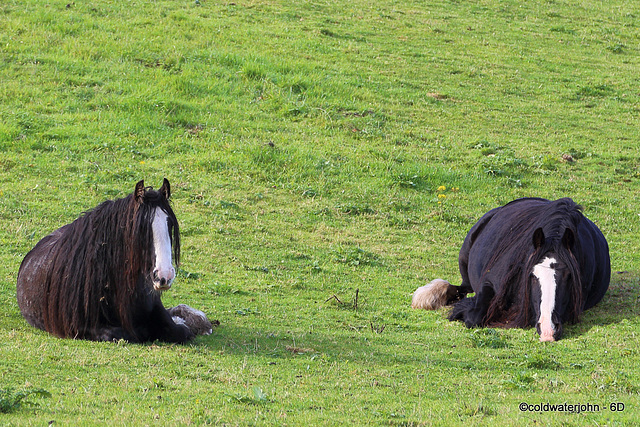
{"x":162,"y":280}
{"x":549,"y":333}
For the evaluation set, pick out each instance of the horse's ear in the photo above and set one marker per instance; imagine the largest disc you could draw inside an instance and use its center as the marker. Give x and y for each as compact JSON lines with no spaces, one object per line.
{"x":139,"y":191}
{"x":568,"y":239}
{"x":538,"y":238}
{"x":165,"y":189}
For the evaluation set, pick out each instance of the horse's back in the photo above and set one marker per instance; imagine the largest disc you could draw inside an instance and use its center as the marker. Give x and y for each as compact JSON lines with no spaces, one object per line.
{"x":595,"y":262}
{"x":467,"y":262}
{"x":486,"y":236}
{"x":31,"y":287}
{"x":495,"y":228}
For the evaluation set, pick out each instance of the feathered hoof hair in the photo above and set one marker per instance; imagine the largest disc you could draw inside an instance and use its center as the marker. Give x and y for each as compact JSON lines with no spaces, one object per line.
{"x":433,"y":295}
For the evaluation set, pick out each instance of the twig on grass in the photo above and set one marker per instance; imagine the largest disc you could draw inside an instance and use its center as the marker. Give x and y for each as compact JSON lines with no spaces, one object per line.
{"x":334,"y":296}
{"x":377,"y":329}
{"x":354,"y":305}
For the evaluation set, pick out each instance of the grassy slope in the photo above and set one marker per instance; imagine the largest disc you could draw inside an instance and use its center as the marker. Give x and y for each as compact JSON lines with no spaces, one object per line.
{"x":306,"y":145}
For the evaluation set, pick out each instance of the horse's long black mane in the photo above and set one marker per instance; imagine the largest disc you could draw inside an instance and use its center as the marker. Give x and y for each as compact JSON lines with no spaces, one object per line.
{"x":100,"y":261}
{"x":554,"y":218}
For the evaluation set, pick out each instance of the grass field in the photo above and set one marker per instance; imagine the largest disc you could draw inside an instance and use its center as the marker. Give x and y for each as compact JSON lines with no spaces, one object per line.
{"x":326,"y":159}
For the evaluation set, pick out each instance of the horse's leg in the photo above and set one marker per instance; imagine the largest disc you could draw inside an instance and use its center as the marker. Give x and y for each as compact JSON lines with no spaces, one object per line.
{"x":472,"y":311}
{"x":463,"y":264}
{"x":465,"y":287}
{"x":476,"y":316}
{"x":108,"y":333}
{"x":455,"y":294}
{"x":162,"y":327}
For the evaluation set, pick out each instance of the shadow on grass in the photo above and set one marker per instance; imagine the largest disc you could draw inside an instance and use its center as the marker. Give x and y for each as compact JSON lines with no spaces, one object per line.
{"x":343,"y":341}
{"x":621,"y":302}
{"x":277,"y":343}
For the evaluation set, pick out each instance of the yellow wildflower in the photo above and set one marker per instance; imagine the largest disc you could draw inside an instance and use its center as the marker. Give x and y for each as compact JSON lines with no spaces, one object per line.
{"x":441,"y":188}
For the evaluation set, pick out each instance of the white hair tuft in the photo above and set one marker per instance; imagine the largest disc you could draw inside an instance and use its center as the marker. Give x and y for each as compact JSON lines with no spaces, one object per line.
{"x":431,"y":296}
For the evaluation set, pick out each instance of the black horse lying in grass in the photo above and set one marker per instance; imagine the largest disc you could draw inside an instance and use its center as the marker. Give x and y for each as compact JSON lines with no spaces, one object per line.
{"x":100,"y":277}
{"x":532,"y":262}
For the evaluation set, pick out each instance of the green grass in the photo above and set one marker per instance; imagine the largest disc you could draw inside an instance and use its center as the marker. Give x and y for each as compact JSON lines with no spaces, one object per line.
{"x":318,"y":151}
{"x":11,"y":400}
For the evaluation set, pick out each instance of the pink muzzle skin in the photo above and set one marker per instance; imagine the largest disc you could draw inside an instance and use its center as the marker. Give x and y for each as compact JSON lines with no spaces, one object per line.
{"x":548,"y":330}
{"x":162,"y":280}
{"x":546,"y":335}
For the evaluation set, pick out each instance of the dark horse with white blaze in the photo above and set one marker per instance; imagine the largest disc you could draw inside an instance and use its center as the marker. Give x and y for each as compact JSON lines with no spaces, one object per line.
{"x":532,"y":262}
{"x":100,"y":277}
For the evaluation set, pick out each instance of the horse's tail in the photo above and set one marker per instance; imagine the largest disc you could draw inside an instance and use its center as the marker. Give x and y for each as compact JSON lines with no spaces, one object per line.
{"x":434,"y":295}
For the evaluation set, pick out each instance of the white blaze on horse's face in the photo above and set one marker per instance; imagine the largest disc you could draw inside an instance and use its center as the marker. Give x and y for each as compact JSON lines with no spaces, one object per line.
{"x":163,"y":271}
{"x":546,"y":277}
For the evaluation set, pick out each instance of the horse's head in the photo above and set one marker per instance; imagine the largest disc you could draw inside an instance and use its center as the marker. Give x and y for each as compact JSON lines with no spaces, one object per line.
{"x":164,"y":231}
{"x":555,"y":289}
